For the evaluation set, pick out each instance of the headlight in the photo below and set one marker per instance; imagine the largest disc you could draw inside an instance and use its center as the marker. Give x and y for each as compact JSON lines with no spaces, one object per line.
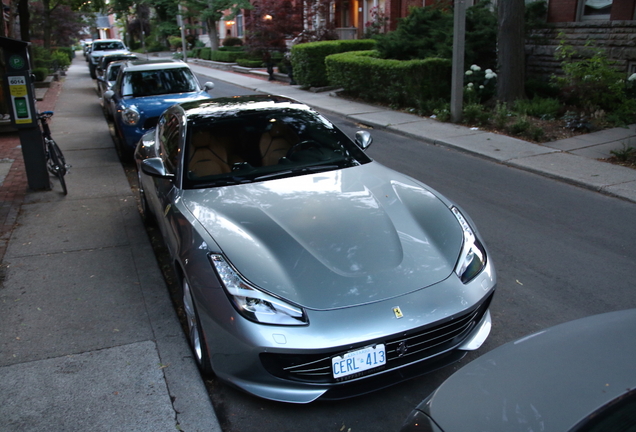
{"x":254,"y":304}
{"x":130,"y":116}
{"x":472,"y":258}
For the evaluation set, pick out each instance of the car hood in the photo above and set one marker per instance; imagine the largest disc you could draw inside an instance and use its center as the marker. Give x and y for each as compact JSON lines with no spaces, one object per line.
{"x":334,"y":239}
{"x":154,"y":106}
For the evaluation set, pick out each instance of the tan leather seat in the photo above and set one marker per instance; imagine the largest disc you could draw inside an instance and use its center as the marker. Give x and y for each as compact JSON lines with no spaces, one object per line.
{"x":276,"y":142}
{"x":210,"y":155}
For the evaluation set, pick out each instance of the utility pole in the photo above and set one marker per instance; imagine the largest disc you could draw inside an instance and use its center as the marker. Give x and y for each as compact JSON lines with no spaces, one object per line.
{"x":183,"y":40}
{"x":457,"y":76}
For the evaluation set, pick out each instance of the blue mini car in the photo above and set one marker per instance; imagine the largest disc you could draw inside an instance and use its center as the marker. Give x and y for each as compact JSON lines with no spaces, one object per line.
{"x":143,"y":91}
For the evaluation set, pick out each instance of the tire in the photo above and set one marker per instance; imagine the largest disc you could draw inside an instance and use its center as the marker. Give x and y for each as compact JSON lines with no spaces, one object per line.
{"x":92,"y":68}
{"x":196,"y":338}
{"x":56,"y":163}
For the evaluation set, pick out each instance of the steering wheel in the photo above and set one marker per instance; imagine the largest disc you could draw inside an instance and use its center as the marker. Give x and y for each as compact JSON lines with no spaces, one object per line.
{"x":303,"y":145}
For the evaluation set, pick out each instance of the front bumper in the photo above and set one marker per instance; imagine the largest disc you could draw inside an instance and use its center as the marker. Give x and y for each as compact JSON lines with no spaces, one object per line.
{"x":294,"y":364}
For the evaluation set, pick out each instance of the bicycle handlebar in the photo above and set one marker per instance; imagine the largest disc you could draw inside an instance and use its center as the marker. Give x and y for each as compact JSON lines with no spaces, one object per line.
{"x":45,"y":114}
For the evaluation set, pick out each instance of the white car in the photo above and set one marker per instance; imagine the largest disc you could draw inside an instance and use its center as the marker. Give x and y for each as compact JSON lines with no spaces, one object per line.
{"x":101,"y":47}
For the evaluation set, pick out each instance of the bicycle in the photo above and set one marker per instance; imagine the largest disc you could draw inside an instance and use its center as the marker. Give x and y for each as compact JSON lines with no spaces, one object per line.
{"x":55,"y":162}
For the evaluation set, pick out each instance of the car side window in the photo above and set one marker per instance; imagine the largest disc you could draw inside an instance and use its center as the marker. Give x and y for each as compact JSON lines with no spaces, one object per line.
{"x":169,"y":141}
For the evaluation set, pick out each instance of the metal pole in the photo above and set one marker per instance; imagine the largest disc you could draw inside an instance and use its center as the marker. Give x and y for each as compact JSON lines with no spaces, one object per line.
{"x":457,"y":85}
{"x":183,"y":40}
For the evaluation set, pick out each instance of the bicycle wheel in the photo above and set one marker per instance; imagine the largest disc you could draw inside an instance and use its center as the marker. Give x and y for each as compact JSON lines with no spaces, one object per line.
{"x":56,"y":163}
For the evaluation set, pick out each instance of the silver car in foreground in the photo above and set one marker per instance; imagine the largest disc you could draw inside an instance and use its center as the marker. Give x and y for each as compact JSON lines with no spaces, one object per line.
{"x":308,"y":270}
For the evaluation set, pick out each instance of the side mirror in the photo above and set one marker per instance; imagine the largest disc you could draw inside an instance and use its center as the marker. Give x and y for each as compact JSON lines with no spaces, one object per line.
{"x":108,"y":94}
{"x":154,"y":167}
{"x":208,"y":86}
{"x":363,"y":139}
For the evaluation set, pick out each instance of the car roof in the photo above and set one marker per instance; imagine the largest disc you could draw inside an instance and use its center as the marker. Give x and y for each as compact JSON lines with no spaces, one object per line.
{"x":145,"y":65}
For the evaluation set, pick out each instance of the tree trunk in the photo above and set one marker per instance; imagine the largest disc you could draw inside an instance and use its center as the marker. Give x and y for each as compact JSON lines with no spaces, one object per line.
{"x":46,"y":16}
{"x":214,"y":34}
{"x":25,"y":20}
{"x":511,"y":51}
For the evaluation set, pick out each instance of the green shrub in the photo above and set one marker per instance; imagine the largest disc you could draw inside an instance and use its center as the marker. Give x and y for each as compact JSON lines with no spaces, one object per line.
{"x":520,"y":126}
{"x":308,"y":59}
{"x":226,"y":56}
{"x":232,"y":48}
{"x":475,"y":113}
{"x":401,"y":83}
{"x":501,"y":115}
{"x":69,"y":51}
{"x":40,"y":73}
{"x":442,"y":114}
{"x":60,"y":60}
{"x":249,"y":63}
{"x":174,"y":41}
{"x":540,"y":87}
{"x":428,"y":32}
{"x":545,"y":108}
{"x":232,"y":41}
{"x":206,"y":53}
{"x":593,"y":83}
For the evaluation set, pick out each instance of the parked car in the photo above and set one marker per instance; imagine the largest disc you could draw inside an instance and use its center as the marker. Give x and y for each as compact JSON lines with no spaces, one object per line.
{"x":106,"y":83}
{"x":101,"y":47}
{"x":109,"y":58}
{"x":87,"y":49}
{"x":143,"y":90}
{"x":307,"y":269}
{"x":578,"y":376}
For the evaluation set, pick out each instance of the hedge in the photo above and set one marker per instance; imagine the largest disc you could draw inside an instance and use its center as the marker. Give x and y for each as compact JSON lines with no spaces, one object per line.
{"x":249,"y":63}
{"x":226,"y":56}
{"x":404,"y":83}
{"x":308,"y":59}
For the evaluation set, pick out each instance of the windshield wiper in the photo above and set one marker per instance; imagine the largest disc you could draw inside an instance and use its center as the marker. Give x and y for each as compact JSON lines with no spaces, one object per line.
{"x":290,"y":172}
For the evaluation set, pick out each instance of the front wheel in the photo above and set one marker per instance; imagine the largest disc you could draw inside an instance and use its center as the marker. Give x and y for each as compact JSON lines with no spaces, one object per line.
{"x":195,"y":333}
{"x":56,"y":163}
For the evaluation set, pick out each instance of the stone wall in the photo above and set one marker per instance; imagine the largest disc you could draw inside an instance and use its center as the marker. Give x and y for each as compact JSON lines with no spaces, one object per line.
{"x":618,"y":38}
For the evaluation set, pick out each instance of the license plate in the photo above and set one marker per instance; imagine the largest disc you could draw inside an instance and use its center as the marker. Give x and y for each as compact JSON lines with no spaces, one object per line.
{"x":358,"y":361}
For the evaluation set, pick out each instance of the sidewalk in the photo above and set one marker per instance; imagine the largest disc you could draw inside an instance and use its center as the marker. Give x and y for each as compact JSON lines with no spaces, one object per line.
{"x":573,"y":160}
{"x":89,"y":338}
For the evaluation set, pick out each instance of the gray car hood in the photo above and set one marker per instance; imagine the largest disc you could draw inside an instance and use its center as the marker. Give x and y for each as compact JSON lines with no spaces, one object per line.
{"x":334,"y":239}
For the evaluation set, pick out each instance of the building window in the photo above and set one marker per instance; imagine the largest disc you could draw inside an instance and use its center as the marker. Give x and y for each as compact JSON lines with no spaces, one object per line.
{"x":239,"y":25}
{"x":595,"y":10}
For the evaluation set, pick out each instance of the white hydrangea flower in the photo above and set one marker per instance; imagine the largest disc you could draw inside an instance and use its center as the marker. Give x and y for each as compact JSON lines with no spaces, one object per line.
{"x":469,"y":72}
{"x":632,"y":77}
{"x":475,"y":68}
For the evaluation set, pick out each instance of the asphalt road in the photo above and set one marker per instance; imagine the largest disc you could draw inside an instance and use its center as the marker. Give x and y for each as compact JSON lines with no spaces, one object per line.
{"x":561,"y":253}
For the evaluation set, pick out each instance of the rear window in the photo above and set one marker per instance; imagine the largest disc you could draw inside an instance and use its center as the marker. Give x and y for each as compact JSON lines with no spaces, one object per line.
{"x":104,"y":46}
{"x":158,"y":82}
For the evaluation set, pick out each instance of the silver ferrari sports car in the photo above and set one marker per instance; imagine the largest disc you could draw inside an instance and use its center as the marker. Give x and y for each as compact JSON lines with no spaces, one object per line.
{"x":307,"y":269}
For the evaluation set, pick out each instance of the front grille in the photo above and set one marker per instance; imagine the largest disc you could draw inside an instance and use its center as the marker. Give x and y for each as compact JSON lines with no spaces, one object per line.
{"x":402,"y":349}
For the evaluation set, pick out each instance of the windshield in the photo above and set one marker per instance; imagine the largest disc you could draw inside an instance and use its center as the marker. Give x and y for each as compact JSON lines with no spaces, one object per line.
{"x":158,"y":82}
{"x":255,"y":146}
{"x":105,"y":46}
{"x":113,"y":70}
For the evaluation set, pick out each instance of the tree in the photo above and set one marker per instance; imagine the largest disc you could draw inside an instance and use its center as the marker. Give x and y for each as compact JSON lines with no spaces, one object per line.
{"x":63,"y":25}
{"x":511,"y":51}
{"x":270,"y":22}
{"x":212,"y":11}
{"x":316,"y":23}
